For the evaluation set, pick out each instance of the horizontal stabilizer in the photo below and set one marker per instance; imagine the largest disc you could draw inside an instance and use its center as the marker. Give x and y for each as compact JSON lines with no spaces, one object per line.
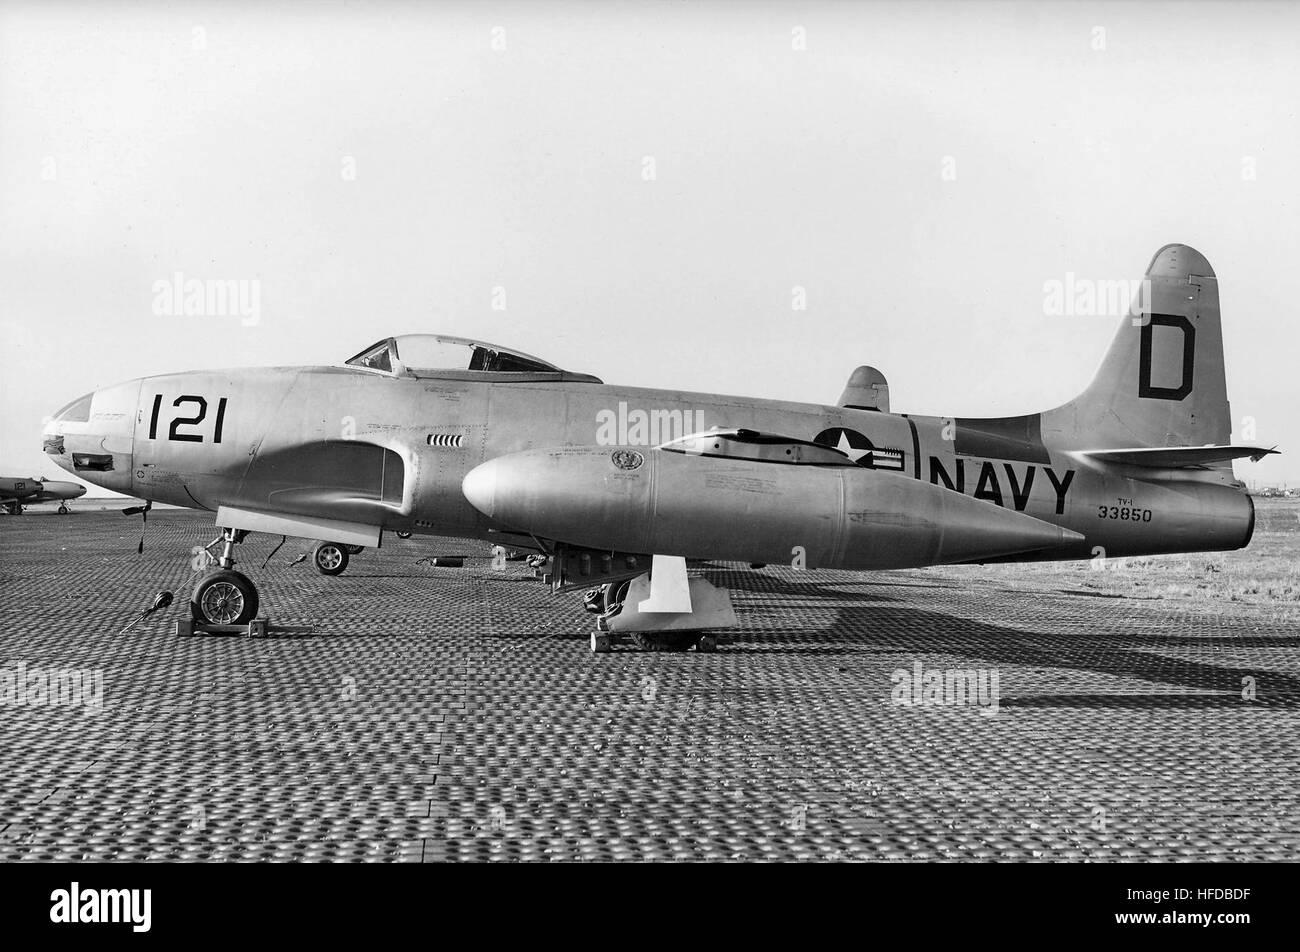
{"x":1173,"y":457}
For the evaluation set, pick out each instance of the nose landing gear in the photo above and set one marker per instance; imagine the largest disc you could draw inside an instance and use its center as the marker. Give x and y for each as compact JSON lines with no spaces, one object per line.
{"x":224,"y":596}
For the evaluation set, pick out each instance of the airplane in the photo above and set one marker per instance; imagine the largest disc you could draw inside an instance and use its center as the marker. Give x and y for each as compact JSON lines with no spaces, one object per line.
{"x":17,"y":493}
{"x":617,"y":487}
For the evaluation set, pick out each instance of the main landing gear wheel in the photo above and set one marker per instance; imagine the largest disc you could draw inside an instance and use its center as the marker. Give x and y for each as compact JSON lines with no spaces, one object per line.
{"x":402,"y":534}
{"x":662,"y":610}
{"x":330,"y":558}
{"x":224,"y":597}
{"x":602,"y":599}
{"x":666,"y":640}
{"x":64,"y":510}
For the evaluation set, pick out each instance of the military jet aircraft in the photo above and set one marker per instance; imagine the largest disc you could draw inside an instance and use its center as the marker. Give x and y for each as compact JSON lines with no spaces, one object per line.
{"x":616,"y":487}
{"x":17,"y":493}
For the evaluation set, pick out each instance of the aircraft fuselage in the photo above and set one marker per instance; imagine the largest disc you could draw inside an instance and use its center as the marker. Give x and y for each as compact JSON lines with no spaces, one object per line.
{"x":390,"y":451}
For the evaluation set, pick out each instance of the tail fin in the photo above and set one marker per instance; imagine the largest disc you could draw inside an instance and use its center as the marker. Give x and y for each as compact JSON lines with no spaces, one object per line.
{"x":1162,"y":382}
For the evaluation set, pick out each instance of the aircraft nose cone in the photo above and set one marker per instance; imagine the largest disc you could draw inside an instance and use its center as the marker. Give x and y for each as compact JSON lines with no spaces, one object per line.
{"x":54,"y":445}
{"x":480,"y":487}
{"x":93,"y":436}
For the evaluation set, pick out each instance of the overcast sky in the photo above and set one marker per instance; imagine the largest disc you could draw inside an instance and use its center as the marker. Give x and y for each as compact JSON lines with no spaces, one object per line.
{"x":645,"y":187}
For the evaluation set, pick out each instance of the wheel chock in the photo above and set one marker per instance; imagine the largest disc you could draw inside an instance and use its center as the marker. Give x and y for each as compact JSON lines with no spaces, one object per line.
{"x":257,"y":628}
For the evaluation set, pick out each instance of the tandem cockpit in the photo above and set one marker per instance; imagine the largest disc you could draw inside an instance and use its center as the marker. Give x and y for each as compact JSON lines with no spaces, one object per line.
{"x":437,"y":355}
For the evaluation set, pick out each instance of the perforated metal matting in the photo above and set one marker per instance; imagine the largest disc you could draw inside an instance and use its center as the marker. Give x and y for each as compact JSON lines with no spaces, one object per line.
{"x":458,"y":714}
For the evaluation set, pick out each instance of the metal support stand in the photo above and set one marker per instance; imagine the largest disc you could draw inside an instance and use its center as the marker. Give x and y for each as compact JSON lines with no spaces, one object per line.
{"x":664,"y":610}
{"x":603,"y":642}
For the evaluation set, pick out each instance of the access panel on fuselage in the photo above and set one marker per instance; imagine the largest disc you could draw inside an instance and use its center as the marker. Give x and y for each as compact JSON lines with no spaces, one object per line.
{"x":451,"y":440}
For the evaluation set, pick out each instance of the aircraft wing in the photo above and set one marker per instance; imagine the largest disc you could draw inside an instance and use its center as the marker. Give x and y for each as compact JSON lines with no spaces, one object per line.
{"x":1176,"y":457}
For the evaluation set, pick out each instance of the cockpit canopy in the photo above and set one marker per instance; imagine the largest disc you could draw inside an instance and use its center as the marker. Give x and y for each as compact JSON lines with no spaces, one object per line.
{"x":436,"y":355}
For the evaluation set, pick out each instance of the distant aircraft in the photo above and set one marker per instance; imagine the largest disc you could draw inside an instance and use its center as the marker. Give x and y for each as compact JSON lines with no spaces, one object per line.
{"x":620,"y":485}
{"x":17,"y":493}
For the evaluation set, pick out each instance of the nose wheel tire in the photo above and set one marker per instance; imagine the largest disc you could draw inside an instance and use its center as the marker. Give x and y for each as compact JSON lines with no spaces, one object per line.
{"x":224,"y":597}
{"x":403,"y":534}
{"x":64,"y":510}
{"x":330,"y":558}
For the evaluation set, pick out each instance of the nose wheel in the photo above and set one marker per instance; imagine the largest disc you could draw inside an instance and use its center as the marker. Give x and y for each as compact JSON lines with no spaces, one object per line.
{"x":224,"y":596}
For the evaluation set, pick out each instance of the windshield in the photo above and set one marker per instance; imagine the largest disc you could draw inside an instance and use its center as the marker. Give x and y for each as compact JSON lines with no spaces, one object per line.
{"x":416,"y":353}
{"x":376,"y":358}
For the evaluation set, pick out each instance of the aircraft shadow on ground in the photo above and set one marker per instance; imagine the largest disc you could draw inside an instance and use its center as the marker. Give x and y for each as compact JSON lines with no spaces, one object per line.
{"x":876,"y":625}
{"x":918,"y":634}
{"x":401,"y":575}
